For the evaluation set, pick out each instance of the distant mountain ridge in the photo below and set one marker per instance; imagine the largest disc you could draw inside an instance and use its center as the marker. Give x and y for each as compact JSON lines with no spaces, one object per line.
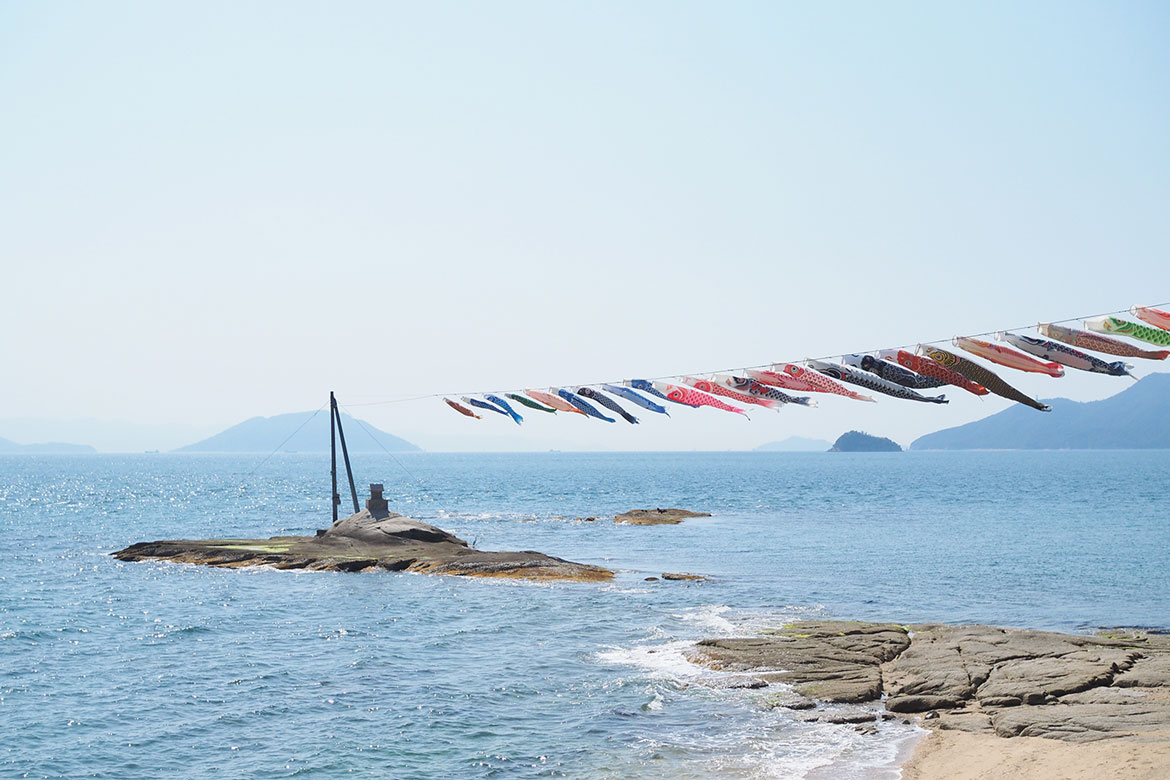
{"x":47,"y":448}
{"x":1136,"y":418}
{"x":265,"y":434}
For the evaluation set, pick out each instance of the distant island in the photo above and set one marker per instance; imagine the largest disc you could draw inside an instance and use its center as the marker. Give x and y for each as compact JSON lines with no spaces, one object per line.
{"x":795,"y":444}
{"x":857,"y":441}
{"x":48,"y":448}
{"x":265,"y":434}
{"x":1136,"y":418}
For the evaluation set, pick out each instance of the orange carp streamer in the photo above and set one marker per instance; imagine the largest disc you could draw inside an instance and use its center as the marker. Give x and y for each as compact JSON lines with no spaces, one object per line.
{"x":461,"y":409}
{"x":1007,"y":357}
{"x":1091,"y":341}
{"x":1156,"y":317}
{"x":556,"y":402}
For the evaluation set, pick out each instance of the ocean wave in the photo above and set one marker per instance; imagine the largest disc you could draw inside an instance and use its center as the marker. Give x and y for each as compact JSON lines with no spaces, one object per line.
{"x":711,"y":617}
{"x":754,"y":740}
{"x":666,"y":661}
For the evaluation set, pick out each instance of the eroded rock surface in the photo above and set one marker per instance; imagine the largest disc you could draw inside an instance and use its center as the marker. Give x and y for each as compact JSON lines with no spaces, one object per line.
{"x":1001,"y":667}
{"x":657,"y":516}
{"x":982,"y":679}
{"x":366,"y":540}
{"x":830,"y":661}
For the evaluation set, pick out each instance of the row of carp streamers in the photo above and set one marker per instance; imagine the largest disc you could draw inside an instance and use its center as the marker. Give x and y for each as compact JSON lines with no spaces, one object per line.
{"x":894,"y":372}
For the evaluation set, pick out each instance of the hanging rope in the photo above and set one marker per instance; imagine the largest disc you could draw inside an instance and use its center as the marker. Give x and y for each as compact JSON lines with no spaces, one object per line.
{"x":286,"y":441}
{"x":383,"y":446}
{"x":741,"y":368}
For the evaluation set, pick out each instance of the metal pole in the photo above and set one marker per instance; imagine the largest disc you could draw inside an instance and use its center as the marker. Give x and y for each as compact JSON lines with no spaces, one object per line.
{"x":334,"y":499}
{"x":345,"y":454}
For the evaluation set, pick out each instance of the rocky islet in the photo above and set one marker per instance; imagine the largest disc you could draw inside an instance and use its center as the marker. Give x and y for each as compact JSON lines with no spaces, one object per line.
{"x":657,"y":516}
{"x":371,"y":540}
{"x":378,"y":539}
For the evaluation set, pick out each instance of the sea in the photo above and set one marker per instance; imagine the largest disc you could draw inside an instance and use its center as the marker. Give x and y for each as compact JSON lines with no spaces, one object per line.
{"x":161,"y":670}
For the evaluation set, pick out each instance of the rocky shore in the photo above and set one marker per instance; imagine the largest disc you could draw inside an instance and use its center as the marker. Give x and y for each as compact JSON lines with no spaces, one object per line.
{"x":657,"y":516}
{"x":996,"y":698}
{"x":368,"y":540}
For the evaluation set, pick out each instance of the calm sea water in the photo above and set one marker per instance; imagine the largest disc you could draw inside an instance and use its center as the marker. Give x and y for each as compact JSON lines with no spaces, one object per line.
{"x":153,"y":670}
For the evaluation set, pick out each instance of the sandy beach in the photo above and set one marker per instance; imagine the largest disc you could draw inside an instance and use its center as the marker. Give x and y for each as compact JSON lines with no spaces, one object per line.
{"x":954,"y":755}
{"x":1098,"y":742}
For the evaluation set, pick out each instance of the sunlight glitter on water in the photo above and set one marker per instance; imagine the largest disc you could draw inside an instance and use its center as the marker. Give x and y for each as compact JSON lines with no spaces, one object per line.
{"x":144,"y":670}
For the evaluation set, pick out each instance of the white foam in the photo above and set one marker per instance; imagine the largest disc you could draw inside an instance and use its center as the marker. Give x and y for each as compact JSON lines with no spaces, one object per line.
{"x":869,"y":756}
{"x":447,"y":515}
{"x":781,"y":748}
{"x":624,"y":589}
{"x":655,"y":702}
{"x":710,"y":617}
{"x":662,"y":661}
{"x":775,"y":745}
{"x":754,"y":742}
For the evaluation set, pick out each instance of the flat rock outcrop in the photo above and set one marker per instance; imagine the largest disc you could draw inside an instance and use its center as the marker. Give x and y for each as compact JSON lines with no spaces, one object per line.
{"x":981,"y":679}
{"x":830,"y":661}
{"x":368,"y":541}
{"x":1001,"y":667}
{"x":657,"y":516}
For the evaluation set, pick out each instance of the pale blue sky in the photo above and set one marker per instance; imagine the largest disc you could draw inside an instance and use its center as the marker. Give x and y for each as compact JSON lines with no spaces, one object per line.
{"x":210,"y":211}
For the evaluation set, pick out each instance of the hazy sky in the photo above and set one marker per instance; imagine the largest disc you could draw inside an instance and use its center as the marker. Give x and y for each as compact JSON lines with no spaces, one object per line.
{"x":210,"y":211}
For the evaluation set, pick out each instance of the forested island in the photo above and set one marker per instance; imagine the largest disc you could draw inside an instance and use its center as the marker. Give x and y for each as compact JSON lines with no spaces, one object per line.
{"x":859,"y":441}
